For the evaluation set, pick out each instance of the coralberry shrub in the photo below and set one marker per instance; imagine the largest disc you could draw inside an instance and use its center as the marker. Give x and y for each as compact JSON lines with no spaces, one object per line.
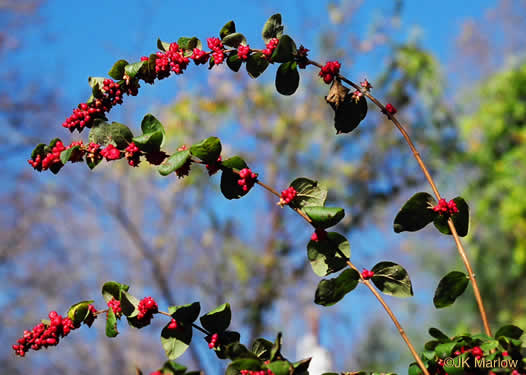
{"x":328,"y":252}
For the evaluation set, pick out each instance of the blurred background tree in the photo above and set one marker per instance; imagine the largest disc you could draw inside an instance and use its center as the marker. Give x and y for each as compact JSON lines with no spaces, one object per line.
{"x":180,"y":241}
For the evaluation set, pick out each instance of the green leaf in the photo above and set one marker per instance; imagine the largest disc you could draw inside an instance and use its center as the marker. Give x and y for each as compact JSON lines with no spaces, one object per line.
{"x":176,"y":341}
{"x":236,"y":351}
{"x":349,"y":114}
{"x":38,"y":150}
{"x":113,"y":289}
{"x":189,"y":43}
{"x":445,"y":349}
{"x":392,"y":279}
{"x":217,"y":320}
{"x":132,"y":69}
{"x":153,"y":137}
{"x":450,"y":288}
{"x":96,"y":84}
{"x":324,"y":217}
{"x":150,"y":124}
{"x":285,"y":51}
{"x":256,"y":64}
{"x":460,"y":219}
{"x":173,"y":368}
{"x":207,"y":150}
{"x":280,"y":367}
{"x":115,"y":133}
{"x":229,"y":185}
{"x":287,"y":78}
{"x":272,"y":28}
{"x":262,"y":347}
{"x":129,"y":304}
{"x":330,"y":291}
{"x":185,"y":314}
{"x":510,"y":331}
{"x":174,"y":162}
{"x":324,"y":257}
{"x":66,"y":154}
{"x":163,"y":46}
{"x":234,"y":40}
{"x":234,"y":62}
{"x":227,"y":29}
{"x":415,"y":214}
{"x":438,"y":334}
{"x":117,"y":71}
{"x":243,"y":364}
{"x":414,"y":369}
{"x":79,"y":311}
{"x":308,"y":193}
{"x":111,"y":324}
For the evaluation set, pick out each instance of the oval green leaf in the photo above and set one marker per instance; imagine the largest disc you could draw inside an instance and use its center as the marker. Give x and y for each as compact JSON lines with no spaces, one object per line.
{"x":217,"y":320}
{"x":174,"y":162}
{"x":325,"y":256}
{"x":308,"y":193}
{"x":79,"y":311}
{"x":450,"y":288}
{"x":330,"y":291}
{"x":272,"y":28}
{"x":229,"y":185}
{"x":285,"y":50}
{"x":392,"y":279}
{"x":287,"y":78}
{"x":256,"y":64}
{"x":415,"y":214}
{"x":227,"y":29}
{"x":324,"y":217}
{"x":234,"y":40}
{"x":207,"y":150}
{"x":176,"y":341}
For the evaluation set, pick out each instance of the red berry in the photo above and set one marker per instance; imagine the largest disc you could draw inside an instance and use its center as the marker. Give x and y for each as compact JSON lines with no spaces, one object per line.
{"x":389,"y":108}
{"x":319,"y":235}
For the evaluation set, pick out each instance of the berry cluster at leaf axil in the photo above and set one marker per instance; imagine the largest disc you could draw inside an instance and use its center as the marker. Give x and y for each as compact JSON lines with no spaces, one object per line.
{"x":44,"y":334}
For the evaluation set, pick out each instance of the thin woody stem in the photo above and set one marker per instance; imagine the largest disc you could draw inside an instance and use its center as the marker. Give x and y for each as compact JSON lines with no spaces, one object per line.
{"x":368,"y":284}
{"x":431,"y":182}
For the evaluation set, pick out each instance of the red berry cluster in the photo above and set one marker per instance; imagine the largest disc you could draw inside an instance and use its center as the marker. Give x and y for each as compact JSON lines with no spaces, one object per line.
{"x":319,"y":235}
{"x":213,"y":168}
{"x":132,"y":154}
{"x":173,"y":324}
{"x":199,"y":56}
{"x":331,"y":69}
{"x":247,"y":180}
{"x":156,"y":373}
{"x":215,"y":45}
{"x":446,"y":208}
{"x":44,"y":335}
{"x":270,"y":47}
{"x":366,"y":274}
{"x":260,"y":372}
{"x":115,"y":305}
{"x":389,"y":108}
{"x":50,"y":159}
{"x":110,"y":152}
{"x":147,"y":307}
{"x":110,"y":95}
{"x":213,"y":341}
{"x":287,"y":196}
{"x":172,"y":60}
{"x":243,"y":52}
